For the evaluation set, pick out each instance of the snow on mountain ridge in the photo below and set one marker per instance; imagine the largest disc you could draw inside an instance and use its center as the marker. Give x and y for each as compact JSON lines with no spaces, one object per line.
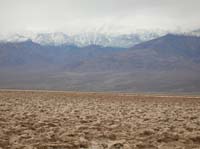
{"x":14,"y":38}
{"x":52,"y":39}
{"x":90,"y":38}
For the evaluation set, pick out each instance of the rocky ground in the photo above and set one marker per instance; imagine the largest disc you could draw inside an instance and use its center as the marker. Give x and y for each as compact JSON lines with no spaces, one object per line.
{"x":58,"y":120}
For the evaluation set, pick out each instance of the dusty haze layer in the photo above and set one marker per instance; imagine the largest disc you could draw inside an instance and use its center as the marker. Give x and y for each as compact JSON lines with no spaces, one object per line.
{"x":60,"y":120}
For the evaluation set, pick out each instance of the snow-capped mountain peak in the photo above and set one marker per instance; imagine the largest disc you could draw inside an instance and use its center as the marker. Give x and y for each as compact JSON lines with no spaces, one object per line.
{"x":90,"y":38}
{"x":51,"y":38}
{"x":14,"y":38}
{"x":94,"y":38}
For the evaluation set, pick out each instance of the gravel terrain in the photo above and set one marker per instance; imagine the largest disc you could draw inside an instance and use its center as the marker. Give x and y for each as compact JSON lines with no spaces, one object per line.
{"x":70,"y":120}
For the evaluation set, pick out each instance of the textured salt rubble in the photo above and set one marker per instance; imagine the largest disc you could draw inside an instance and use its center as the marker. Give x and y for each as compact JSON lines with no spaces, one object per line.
{"x":30,"y":120}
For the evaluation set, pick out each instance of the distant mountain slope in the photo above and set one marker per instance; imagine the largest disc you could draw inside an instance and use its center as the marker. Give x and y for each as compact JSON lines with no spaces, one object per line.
{"x":166,"y":64}
{"x":169,"y":51}
{"x":173,"y":44}
{"x":30,"y":55}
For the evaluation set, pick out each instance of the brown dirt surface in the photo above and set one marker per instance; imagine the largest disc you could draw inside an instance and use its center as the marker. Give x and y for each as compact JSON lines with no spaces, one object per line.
{"x":70,"y":120}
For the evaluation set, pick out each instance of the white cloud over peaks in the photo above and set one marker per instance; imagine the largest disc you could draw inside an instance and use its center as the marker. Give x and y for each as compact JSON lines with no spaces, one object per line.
{"x":74,"y":16}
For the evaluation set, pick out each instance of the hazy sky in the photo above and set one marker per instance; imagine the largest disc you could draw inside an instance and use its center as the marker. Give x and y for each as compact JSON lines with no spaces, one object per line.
{"x":106,"y":15}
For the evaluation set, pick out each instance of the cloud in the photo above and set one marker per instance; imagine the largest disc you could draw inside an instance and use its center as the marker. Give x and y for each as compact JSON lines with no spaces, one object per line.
{"x":77,"y":15}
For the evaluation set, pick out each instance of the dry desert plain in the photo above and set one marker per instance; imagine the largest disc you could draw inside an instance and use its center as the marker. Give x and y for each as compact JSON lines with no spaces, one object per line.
{"x":70,"y":120}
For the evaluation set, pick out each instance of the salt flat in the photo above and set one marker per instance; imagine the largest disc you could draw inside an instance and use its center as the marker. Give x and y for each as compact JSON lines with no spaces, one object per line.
{"x":73,"y":120}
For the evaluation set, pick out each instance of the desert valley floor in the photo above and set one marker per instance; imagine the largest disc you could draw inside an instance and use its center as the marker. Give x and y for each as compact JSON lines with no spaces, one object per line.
{"x":70,"y":120}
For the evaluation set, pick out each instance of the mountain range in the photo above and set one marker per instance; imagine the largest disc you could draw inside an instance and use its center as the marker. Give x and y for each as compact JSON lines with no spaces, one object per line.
{"x":170,"y":63}
{"x":123,"y":40}
{"x":87,"y":38}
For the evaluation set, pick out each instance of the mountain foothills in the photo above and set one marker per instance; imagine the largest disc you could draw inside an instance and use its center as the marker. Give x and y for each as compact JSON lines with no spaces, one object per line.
{"x":170,"y":63}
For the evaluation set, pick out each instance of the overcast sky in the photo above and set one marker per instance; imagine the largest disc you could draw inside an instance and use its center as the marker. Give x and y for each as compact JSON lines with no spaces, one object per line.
{"x":78,"y":15}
